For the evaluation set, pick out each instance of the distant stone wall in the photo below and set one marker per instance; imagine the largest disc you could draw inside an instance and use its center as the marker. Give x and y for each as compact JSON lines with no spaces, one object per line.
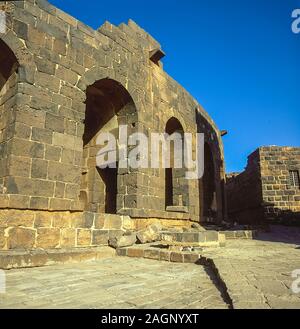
{"x":244,"y":193}
{"x":264,"y":192}
{"x":281,"y":196}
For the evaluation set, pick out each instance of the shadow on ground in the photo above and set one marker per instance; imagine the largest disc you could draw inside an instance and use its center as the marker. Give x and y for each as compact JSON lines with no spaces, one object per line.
{"x":280,"y":233}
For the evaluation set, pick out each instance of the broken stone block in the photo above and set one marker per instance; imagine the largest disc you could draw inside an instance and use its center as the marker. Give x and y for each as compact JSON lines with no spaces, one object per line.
{"x":117,"y":233}
{"x":150,"y":234}
{"x":127,"y":240}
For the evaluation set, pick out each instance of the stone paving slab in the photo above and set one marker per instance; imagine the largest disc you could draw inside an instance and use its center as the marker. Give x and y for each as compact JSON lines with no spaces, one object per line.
{"x":112,"y":283}
{"x":253,"y":273}
{"x":258,"y":273}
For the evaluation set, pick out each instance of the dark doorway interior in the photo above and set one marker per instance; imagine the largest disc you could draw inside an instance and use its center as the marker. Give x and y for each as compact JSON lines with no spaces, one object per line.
{"x":209,"y":189}
{"x":110,"y":179}
{"x":108,"y":104}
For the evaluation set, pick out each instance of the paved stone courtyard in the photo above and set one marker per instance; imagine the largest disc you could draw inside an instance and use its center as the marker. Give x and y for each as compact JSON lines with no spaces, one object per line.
{"x":257,"y":274}
{"x":112,"y":283}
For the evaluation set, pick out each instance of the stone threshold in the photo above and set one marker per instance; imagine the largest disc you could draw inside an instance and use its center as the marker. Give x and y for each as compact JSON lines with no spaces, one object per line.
{"x":240,"y":234}
{"x":13,"y":259}
{"x":202,"y":238}
{"x":232,"y":234}
{"x":159,"y":251}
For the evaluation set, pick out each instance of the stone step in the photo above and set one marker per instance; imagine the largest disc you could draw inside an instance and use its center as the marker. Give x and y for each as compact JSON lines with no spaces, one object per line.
{"x":203,"y":238}
{"x":12,"y":259}
{"x":240,"y":234}
{"x":158,"y":252}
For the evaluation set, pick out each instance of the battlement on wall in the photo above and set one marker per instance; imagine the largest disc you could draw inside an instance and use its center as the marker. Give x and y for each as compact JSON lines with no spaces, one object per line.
{"x":133,"y":38}
{"x":130,"y":36}
{"x":132,"y":31}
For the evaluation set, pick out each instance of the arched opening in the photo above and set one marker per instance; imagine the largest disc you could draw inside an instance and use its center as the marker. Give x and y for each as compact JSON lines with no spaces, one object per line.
{"x":209,"y":196}
{"x":108,"y":104}
{"x":8,"y":83}
{"x":176,"y":185}
{"x":8,"y":64}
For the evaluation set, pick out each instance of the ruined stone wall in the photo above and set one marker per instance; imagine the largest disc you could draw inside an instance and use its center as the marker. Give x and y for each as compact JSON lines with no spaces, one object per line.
{"x":244,"y":193}
{"x":58,"y":59}
{"x":263,"y":193}
{"x":281,"y":196}
{"x":214,"y":147}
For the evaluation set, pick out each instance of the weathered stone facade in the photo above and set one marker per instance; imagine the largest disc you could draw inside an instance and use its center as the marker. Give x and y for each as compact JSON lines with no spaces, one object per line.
{"x":268,"y":190}
{"x":61,"y":84}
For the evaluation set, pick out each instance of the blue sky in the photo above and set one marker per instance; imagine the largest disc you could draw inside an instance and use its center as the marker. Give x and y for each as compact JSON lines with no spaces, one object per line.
{"x":238,"y":58}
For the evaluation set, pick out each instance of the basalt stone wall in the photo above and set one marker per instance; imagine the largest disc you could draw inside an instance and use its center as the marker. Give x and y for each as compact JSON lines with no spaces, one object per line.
{"x":45,"y":160}
{"x":280,"y":170}
{"x":211,"y":187}
{"x":268,"y":190}
{"x":6,"y":125}
{"x":244,"y":193}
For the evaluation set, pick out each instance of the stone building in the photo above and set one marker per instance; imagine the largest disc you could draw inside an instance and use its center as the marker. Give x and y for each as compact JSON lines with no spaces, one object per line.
{"x":268,"y":191}
{"x":61,"y":84}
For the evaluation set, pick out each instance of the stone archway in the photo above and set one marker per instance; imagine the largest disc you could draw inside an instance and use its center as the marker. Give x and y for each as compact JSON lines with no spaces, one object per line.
{"x":8,"y":63}
{"x":8,"y":85}
{"x":176,"y":184}
{"x":108,"y":105}
{"x":212,"y":206}
{"x":25,"y":60}
{"x":209,"y":196}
